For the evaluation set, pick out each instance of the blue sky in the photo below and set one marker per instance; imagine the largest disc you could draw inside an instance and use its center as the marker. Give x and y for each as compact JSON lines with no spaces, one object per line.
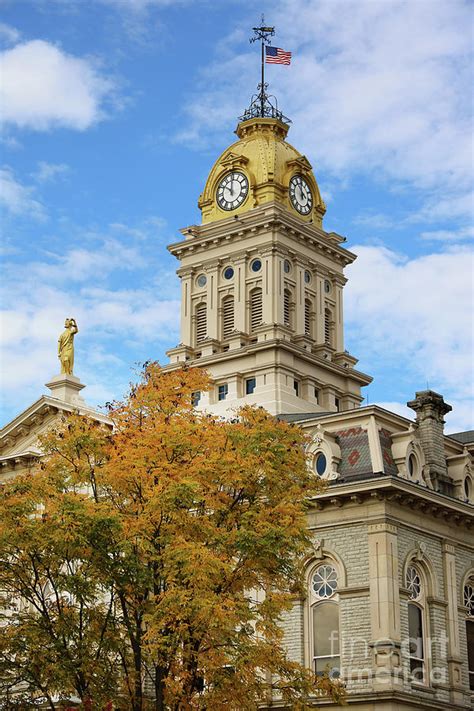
{"x":114,"y":111}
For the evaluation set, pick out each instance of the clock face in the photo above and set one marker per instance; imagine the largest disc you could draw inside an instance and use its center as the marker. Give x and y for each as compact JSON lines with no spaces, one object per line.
{"x":300,"y":195}
{"x":232,"y":190}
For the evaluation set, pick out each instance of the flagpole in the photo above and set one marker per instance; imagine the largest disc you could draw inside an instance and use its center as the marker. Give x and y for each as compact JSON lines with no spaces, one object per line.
{"x":262,"y":33}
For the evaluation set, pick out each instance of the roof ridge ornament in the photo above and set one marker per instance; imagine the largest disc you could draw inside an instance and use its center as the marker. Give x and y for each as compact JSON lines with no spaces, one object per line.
{"x":263,"y":105}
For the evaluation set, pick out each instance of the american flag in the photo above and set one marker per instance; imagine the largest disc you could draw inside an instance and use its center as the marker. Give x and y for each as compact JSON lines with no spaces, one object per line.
{"x":275,"y":55}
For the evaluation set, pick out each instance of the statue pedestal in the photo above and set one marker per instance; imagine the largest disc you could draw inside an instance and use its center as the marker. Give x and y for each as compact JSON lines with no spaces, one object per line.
{"x":66,"y":388}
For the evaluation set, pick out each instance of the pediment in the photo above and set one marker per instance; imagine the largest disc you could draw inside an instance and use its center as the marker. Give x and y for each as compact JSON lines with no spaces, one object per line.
{"x":302,"y":163}
{"x":233,"y":160}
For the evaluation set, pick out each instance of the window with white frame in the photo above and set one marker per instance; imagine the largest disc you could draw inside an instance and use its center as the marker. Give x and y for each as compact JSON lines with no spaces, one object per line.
{"x":416,"y":615}
{"x":324,"y":620}
{"x":468,"y":600}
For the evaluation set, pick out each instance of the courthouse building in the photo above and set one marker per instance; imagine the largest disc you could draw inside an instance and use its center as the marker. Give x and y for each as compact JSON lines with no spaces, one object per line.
{"x":389,"y":602}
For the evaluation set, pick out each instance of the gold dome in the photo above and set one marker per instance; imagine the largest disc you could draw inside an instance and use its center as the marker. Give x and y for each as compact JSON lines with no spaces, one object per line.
{"x":269,"y":163}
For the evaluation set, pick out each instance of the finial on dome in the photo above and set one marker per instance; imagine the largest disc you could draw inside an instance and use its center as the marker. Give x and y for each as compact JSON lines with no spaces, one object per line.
{"x":263,"y":105}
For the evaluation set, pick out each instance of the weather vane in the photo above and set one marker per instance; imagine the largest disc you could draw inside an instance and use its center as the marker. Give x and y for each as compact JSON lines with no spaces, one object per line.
{"x":262,"y":104}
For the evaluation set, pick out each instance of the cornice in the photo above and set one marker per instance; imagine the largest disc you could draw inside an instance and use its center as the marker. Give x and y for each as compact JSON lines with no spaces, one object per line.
{"x":270,"y":216}
{"x":302,"y":353}
{"x":396,"y":490}
{"x":36,"y":414}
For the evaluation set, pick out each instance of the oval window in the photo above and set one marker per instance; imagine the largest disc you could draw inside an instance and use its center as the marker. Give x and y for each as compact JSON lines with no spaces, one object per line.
{"x":286,"y":266}
{"x":256,"y":265}
{"x":327,"y":286}
{"x":201,"y":280}
{"x":307,"y":276}
{"x":228,"y":273}
{"x":467,"y":488}
{"x":320,"y":463}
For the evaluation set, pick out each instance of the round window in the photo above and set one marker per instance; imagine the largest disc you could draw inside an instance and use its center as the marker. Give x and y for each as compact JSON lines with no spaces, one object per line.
{"x":201,"y":280}
{"x":320,"y":463}
{"x":412,"y":465}
{"x":307,"y":276}
{"x":327,"y":286}
{"x":286,"y":266}
{"x":325,"y":581}
{"x":228,"y":273}
{"x":256,"y":265}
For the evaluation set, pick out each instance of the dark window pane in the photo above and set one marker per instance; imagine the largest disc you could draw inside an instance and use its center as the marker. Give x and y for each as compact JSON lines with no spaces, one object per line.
{"x":470,"y":651}
{"x":250,"y":385}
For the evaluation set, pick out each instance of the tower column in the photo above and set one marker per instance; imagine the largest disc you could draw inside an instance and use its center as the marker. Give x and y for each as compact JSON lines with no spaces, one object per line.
{"x":339,"y":323}
{"x":319,"y":330}
{"x":299,"y":299}
{"x":272,"y":288}
{"x":212,"y":301}
{"x":186,"y":315}
{"x":240,"y":295}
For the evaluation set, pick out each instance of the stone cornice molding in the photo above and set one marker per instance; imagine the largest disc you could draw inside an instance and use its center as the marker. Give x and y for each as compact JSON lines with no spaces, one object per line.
{"x":270,"y":217}
{"x":396,"y":490}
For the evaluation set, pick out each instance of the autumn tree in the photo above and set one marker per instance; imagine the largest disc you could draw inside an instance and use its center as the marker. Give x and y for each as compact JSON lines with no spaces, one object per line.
{"x":190,"y":534}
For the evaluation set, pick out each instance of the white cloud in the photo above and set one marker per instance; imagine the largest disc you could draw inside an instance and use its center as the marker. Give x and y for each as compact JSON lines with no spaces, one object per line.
{"x":464,"y":233}
{"x":8,"y":33}
{"x":412,"y":316}
{"x":18,"y":199}
{"x":44,"y":87}
{"x":47,"y":172}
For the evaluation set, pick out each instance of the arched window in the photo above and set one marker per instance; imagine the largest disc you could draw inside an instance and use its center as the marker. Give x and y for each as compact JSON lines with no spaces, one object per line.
{"x":328,"y":327}
{"x":201,"y":322}
{"x":227,"y":316}
{"x":468,"y":600}
{"x":416,"y":615}
{"x":324,"y":620}
{"x":256,"y":309}
{"x":308,"y":308}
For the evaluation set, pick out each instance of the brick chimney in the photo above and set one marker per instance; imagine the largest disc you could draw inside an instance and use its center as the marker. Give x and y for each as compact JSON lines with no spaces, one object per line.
{"x":430,"y":409}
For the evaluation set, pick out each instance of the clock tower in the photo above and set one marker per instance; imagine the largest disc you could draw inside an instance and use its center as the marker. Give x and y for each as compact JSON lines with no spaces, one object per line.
{"x":262,"y":281}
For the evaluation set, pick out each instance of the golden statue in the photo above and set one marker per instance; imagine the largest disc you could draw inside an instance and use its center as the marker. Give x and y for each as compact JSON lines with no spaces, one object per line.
{"x":66,"y":346}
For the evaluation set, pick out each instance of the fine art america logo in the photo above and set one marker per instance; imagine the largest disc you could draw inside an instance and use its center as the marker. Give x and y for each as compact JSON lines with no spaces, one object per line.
{"x":393,"y":660}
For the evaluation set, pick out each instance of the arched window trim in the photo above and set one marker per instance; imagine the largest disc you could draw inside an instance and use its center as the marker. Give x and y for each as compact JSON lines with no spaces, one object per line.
{"x":468,"y":581}
{"x":419,"y":563}
{"x":324,"y":557}
{"x":200,"y":323}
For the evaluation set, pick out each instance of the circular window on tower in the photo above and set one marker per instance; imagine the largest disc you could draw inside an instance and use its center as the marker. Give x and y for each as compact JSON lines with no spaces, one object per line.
{"x":201,"y":281}
{"x":307,"y":277}
{"x":228,"y":273}
{"x":256,"y":265}
{"x":320,"y":464}
{"x":287,"y":266}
